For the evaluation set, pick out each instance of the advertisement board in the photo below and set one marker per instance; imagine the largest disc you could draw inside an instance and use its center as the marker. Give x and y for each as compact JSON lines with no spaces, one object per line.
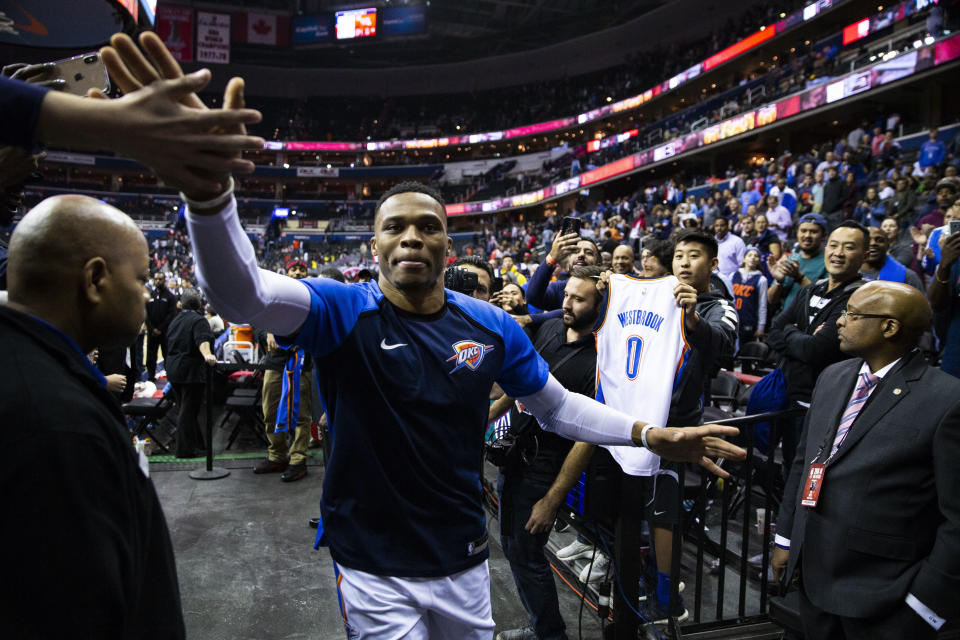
{"x":312,"y":29}
{"x":401,"y":21}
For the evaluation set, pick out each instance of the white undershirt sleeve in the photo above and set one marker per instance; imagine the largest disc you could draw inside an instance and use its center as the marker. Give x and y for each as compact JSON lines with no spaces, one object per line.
{"x":578,"y":417}
{"x":227,"y":271}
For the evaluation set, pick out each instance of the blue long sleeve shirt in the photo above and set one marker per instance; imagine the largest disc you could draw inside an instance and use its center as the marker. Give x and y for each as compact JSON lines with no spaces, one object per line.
{"x":20,"y":106}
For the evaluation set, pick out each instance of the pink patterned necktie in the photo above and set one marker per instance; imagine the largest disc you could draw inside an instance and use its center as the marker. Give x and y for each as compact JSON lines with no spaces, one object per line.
{"x":865,"y":382}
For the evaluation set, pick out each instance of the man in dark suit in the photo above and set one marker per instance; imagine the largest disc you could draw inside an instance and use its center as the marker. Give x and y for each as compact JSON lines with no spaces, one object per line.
{"x":879,"y":548}
{"x":161,"y":310}
{"x":65,"y":452}
{"x":190,"y":342}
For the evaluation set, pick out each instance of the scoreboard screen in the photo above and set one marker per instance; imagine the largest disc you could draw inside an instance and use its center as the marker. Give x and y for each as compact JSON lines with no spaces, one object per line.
{"x":356,"y":23}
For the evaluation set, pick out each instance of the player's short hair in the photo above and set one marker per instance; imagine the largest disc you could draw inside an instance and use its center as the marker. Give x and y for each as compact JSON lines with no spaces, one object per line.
{"x":853,"y":224}
{"x":410,"y":186}
{"x":475,"y":261}
{"x":698,"y":236}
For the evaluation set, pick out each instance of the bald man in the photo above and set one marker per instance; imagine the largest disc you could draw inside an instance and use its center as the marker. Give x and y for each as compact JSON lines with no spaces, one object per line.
{"x":623,"y":259}
{"x":871,"y":510}
{"x":83,"y":528}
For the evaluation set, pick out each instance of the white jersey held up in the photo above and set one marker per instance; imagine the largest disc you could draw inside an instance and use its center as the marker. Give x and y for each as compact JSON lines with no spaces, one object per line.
{"x":641,"y":350}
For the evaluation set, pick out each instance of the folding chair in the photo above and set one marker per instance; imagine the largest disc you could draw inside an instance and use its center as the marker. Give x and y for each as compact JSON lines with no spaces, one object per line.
{"x":244,"y":403}
{"x":753,"y":356}
{"x":146,"y":414}
{"x":724,"y":388}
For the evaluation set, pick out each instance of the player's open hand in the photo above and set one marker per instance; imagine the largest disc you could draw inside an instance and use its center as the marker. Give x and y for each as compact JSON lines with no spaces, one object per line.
{"x":696,"y":444}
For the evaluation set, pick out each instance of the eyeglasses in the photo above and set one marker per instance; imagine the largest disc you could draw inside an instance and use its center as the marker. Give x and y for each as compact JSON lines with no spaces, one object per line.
{"x":844,"y":314}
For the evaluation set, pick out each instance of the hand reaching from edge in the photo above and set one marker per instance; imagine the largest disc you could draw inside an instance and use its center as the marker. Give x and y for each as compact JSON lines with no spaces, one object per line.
{"x":161,"y":122}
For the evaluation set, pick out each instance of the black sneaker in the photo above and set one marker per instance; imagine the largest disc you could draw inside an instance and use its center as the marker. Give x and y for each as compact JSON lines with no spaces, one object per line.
{"x":270,"y":466}
{"x":294,"y":472}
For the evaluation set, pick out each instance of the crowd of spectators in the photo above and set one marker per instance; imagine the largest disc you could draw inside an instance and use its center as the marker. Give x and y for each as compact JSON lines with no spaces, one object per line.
{"x":409,"y":116}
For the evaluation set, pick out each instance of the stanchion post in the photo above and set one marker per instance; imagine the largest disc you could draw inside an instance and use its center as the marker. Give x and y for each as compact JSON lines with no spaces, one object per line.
{"x":211,"y":472}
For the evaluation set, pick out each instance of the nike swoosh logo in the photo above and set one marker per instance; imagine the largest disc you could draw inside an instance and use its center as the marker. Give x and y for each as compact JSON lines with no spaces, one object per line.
{"x":388,"y":347}
{"x":659,"y":513}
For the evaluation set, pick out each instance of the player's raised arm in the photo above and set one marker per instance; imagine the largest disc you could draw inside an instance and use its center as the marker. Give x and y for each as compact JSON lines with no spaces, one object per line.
{"x":225,"y":259}
{"x":583,"y":419}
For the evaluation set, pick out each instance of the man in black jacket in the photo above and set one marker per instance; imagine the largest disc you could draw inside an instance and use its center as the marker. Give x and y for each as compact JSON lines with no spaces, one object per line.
{"x":533,"y":488}
{"x":805,"y":333}
{"x":71,"y":481}
{"x":161,"y":310}
{"x":832,"y":208}
{"x":190,"y":340}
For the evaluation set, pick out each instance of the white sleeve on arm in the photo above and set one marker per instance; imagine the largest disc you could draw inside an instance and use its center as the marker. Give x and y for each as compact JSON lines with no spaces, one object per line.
{"x":228,"y":274}
{"x":578,"y":417}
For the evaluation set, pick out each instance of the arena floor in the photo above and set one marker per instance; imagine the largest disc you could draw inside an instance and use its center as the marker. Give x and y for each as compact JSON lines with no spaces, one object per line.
{"x":246,"y":564}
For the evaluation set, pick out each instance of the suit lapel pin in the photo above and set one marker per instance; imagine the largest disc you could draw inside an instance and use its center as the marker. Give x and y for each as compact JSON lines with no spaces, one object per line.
{"x":897,"y":391}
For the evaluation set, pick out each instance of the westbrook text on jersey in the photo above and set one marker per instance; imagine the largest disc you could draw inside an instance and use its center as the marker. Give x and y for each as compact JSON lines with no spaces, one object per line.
{"x":641,"y":317}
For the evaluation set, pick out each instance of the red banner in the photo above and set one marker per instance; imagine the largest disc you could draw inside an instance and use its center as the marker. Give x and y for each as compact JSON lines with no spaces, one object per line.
{"x":736,"y":49}
{"x":175,"y":28}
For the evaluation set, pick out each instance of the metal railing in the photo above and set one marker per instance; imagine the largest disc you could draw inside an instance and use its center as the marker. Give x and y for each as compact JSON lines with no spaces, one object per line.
{"x":757,"y":478}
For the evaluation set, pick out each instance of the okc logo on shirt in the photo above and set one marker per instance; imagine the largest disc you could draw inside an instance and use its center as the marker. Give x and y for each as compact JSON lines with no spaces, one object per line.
{"x":469,"y":354}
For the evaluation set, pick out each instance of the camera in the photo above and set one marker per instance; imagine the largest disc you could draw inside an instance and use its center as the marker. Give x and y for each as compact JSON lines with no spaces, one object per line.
{"x":460,"y":280}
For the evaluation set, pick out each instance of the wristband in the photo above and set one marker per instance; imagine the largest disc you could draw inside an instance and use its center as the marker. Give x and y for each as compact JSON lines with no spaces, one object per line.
{"x":220,"y":200}
{"x":643,"y":436}
{"x":550,"y":261}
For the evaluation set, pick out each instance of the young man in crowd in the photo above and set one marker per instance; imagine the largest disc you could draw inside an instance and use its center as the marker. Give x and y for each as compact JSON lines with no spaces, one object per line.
{"x":792,"y":273}
{"x":287,"y":382}
{"x":880,"y":265}
{"x":731,"y":248}
{"x":711,"y":332}
{"x":568,"y":251}
{"x":484,"y":273}
{"x":805,"y":333}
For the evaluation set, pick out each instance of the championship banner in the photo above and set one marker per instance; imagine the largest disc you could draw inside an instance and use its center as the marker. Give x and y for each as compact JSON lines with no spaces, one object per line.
{"x":175,"y":28}
{"x":213,"y":37}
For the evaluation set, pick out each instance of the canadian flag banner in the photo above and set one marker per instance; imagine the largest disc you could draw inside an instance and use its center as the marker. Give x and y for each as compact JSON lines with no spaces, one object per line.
{"x":262,"y":28}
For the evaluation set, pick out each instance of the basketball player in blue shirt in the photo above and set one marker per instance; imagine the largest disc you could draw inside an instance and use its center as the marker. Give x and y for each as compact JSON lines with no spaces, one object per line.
{"x":405,"y":369}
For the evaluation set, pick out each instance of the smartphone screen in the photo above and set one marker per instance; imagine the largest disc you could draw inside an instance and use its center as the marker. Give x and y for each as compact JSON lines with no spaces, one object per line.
{"x":570,"y":224}
{"x":953,"y":227}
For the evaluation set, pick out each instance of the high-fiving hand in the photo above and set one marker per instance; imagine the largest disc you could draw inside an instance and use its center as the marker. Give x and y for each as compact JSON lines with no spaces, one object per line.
{"x":204,"y":163}
{"x":695,"y":444}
